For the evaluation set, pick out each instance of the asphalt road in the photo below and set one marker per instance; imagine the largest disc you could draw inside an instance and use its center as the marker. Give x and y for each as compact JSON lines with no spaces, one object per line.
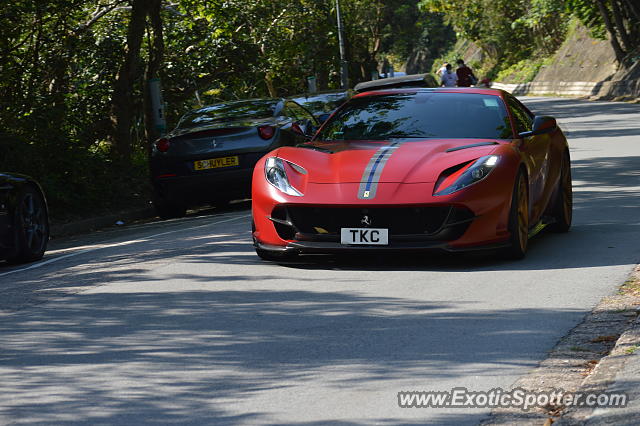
{"x":179,"y":321}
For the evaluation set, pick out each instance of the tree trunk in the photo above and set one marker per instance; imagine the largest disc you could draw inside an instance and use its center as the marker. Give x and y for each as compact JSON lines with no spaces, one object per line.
{"x":612,"y":31}
{"x":619,"y":20}
{"x":268,"y":79}
{"x":122,"y":108}
{"x":634,"y":9}
{"x":156,"y":54}
{"x":35,"y":60}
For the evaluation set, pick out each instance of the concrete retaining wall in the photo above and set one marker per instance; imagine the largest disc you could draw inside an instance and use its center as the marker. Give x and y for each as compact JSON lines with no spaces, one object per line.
{"x":625,"y":89}
{"x":569,"y":88}
{"x":582,"y":67}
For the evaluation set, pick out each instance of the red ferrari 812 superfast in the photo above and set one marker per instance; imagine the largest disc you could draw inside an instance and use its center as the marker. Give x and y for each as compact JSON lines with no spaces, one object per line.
{"x":453,"y":169}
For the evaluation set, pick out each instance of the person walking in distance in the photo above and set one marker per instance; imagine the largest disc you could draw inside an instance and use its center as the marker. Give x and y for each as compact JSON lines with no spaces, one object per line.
{"x":466,"y":78}
{"x":442,"y":69}
{"x":449,"y":78}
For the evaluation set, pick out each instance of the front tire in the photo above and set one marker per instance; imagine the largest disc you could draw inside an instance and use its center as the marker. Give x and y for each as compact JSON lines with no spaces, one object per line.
{"x":519,"y":219}
{"x":30,"y":226}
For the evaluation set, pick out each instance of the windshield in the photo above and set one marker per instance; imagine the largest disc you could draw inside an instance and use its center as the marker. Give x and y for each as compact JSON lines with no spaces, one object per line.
{"x":254,"y":109}
{"x":322,"y":103}
{"x":419,"y":115}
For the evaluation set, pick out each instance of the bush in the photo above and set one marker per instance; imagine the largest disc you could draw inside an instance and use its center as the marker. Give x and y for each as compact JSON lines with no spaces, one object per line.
{"x":523,"y":71}
{"x":77,"y":181}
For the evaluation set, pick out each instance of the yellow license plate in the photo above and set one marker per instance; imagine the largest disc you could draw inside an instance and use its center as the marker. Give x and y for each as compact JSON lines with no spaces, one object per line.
{"x":216,"y":163}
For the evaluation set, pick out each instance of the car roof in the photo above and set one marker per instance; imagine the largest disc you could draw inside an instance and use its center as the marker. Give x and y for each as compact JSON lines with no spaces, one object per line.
{"x":336,"y":92}
{"x":238,"y":102}
{"x":321,"y":97}
{"x":467,"y":90}
{"x":411,"y":80}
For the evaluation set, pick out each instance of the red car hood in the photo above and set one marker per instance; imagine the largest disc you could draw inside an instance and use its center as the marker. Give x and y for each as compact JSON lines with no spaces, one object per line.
{"x":410,"y":161}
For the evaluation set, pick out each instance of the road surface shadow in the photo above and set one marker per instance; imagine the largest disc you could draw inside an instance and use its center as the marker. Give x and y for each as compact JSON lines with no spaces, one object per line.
{"x":569,"y":108}
{"x":621,"y":118}
{"x":182,"y":356}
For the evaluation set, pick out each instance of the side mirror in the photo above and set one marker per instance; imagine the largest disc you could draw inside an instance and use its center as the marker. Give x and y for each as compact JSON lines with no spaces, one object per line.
{"x":541,"y":126}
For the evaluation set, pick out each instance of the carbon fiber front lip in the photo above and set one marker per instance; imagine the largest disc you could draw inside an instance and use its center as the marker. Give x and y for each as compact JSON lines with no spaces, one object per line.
{"x":308,"y":247}
{"x":326,"y":247}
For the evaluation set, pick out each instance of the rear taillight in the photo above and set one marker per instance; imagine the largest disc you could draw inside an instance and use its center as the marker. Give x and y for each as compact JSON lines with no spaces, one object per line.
{"x":266,"y":132}
{"x":162,"y":145}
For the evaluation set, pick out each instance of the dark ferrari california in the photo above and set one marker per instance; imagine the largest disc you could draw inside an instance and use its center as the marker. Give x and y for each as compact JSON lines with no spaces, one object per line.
{"x":209,"y":157}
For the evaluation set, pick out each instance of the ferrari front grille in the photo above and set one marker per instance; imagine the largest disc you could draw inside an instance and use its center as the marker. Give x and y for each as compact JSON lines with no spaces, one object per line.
{"x":416,"y":223}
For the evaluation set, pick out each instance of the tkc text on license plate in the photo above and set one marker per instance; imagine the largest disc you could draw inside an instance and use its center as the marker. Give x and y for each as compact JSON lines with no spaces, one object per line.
{"x":368,"y":236}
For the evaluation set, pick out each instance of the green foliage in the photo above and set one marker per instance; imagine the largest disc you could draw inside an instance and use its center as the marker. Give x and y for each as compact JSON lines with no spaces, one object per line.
{"x":587,"y":12}
{"x":508,"y":31}
{"x":547,"y":22}
{"x":77,"y":180}
{"x":515,"y":34}
{"x":523,"y":71}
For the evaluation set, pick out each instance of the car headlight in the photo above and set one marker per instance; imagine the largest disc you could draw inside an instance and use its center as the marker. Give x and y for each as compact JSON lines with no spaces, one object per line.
{"x":276,"y":174}
{"x":455,"y":179}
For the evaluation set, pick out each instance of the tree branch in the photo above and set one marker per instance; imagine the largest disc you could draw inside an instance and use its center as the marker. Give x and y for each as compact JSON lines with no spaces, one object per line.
{"x":99,"y":13}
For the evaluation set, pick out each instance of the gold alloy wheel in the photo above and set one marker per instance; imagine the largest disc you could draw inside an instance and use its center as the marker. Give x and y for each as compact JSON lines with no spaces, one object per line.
{"x":567,"y":192}
{"x":523,"y":214}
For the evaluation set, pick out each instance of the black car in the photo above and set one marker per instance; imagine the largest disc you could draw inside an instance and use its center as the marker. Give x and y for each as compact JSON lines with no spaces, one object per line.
{"x":24,"y":219}
{"x":209,"y":157}
{"x":323,"y":104}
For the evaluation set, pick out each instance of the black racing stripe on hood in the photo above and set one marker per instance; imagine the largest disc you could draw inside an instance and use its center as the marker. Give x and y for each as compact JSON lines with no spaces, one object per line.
{"x":373,"y":171}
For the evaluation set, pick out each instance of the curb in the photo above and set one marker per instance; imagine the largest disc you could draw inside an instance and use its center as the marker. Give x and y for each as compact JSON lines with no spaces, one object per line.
{"x":91,"y":224}
{"x":604,"y":375}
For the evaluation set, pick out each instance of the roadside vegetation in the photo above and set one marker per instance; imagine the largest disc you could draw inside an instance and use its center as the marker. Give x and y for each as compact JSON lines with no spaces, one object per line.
{"x":515,"y":38}
{"x":74,"y":105}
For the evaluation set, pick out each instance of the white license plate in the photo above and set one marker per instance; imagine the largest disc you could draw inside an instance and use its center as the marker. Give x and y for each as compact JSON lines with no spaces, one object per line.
{"x":368,"y":236}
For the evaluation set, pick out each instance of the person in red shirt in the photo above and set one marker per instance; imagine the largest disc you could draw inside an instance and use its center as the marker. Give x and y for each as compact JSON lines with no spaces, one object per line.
{"x":466,"y":78}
